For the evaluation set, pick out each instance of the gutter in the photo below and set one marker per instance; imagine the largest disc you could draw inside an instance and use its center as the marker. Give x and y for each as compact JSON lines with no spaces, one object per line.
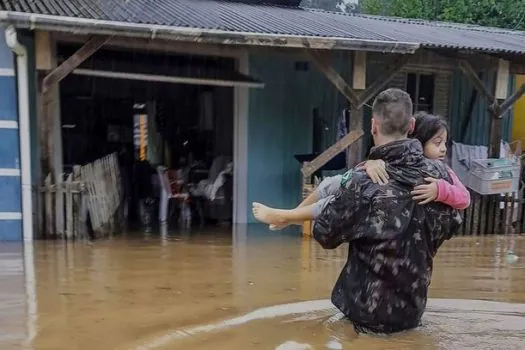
{"x":83,"y":26}
{"x":24,"y":131}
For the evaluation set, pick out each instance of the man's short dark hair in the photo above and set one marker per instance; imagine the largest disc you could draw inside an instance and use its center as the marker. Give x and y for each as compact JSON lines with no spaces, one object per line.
{"x":393,"y":110}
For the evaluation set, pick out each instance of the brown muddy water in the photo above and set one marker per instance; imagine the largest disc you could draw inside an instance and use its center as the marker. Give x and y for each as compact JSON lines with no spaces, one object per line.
{"x":255,"y":290}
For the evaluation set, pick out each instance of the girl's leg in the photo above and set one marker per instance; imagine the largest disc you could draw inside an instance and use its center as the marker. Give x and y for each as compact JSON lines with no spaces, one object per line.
{"x":279,"y":217}
{"x":328,"y":187}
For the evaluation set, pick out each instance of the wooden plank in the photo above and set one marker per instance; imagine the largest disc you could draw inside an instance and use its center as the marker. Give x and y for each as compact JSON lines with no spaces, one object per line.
{"x":77,"y":205}
{"x":471,"y":74}
{"x":495,"y":135}
{"x":322,"y":62}
{"x":355,"y":150}
{"x":89,"y":48}
{"x":68,"y":186}
{"x":476,"y":214}
{"x":48,"y":206}
{"x":332,"y":151}
{"x":59,"y":205}
{"x":383,"y":80}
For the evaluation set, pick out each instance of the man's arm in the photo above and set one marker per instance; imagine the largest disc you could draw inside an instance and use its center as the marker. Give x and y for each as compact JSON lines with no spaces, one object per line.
{"x":336,"y":223}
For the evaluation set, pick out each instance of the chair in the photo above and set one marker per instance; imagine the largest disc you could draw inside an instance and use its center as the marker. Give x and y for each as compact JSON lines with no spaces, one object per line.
{"x":167,"y":192}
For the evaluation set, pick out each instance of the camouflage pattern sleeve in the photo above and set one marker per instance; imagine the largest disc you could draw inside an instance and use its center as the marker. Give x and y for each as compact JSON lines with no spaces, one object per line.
{"x":455,"y":223}
{"x":341,"y":216}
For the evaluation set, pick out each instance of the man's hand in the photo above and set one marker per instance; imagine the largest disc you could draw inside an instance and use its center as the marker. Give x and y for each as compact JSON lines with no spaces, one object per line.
{"x":424,"y":194}
{"x":376,"y":170}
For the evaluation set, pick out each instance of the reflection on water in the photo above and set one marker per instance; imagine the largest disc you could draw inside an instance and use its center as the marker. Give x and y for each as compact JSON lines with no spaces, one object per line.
{"x":261,"y":290}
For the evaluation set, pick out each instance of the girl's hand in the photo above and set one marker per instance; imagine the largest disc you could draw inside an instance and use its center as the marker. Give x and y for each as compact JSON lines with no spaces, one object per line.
{"x":424,"y":194}
{"x":376,"y":170}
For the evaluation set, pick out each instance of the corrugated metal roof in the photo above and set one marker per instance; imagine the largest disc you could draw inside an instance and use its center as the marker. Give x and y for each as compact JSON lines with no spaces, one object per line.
{"x":242,"y":17}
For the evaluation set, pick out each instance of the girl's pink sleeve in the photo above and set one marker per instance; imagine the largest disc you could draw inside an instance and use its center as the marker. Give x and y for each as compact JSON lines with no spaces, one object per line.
{"x":455,"y":194}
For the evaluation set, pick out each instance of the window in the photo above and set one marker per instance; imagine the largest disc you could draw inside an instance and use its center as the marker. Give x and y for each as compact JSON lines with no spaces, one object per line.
{"x":421,"y":90}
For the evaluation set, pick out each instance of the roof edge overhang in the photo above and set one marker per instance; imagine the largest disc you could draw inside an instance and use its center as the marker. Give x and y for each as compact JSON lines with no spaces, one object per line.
{"x":85,"y":26}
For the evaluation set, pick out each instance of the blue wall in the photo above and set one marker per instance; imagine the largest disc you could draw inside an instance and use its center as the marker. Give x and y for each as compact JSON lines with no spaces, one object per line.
{"x":10,"y":202}
{"x":280,"y":124}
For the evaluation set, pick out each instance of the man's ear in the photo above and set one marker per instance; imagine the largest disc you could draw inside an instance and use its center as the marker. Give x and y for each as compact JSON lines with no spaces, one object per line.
{"x":411,"y":125}
{"x":374,"y":128}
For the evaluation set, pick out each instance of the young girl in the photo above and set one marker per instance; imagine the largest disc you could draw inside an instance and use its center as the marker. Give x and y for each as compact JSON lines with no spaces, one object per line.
{"x":430,"y":130}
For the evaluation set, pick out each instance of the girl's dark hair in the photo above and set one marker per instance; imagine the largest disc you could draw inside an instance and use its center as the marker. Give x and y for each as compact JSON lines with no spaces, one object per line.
{"x":427,"y":126}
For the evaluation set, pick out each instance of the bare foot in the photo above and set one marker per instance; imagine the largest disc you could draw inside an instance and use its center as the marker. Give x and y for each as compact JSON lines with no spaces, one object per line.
{"x":266,"y":214}
{"x":278,"y":227}
{"x":286,"y":223}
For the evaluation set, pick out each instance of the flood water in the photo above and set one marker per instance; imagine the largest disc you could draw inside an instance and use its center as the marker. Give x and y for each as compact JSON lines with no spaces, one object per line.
{"x":255,"y":290}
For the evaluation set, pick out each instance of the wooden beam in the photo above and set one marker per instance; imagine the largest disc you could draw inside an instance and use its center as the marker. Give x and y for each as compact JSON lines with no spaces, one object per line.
{"x":471,"y":74}
{"x":62,"y":71}
{"x":322,"y":61}
{"x":163,"y":46}
{"x":331,"y":152}
{"x":495,"y":137}
{"x":383,"y":80}
{"x":512,"y":99}
{"x":355,"y":150}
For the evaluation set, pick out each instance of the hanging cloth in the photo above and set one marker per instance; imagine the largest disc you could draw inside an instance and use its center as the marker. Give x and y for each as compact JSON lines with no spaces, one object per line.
{"x":342,"y":128}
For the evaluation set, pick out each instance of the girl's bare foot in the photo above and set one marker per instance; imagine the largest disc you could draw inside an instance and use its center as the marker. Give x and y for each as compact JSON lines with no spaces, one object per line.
{"x":284,"y":224}
{"x":266,"y":214}
{"x":278,"y":227}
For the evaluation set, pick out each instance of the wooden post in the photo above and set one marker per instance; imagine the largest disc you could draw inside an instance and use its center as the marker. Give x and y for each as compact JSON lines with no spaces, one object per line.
{"x":48,"y":206}
{"x":501,"y":93}
{"x":68,"y":186}
{"x":59,"y":205}
{"x":495,"y":130}
{"x":355,"y":150}
{"x":79,"y":212}
{"x":308,"y":187}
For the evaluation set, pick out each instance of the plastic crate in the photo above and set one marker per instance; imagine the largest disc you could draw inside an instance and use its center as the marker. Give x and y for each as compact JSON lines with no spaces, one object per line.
{"x":494,"y":176}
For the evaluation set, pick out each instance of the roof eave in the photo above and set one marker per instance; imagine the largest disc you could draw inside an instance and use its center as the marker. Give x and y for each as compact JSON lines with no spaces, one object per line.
{"x":85,"y":26}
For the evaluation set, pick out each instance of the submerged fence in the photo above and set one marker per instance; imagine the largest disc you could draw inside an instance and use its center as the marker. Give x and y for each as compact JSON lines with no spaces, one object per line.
{"x":494,"y":214}
{"x":82,"y":202}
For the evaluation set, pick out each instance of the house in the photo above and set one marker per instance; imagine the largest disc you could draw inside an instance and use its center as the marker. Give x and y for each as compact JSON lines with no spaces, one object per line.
{"x":282,"y":74}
